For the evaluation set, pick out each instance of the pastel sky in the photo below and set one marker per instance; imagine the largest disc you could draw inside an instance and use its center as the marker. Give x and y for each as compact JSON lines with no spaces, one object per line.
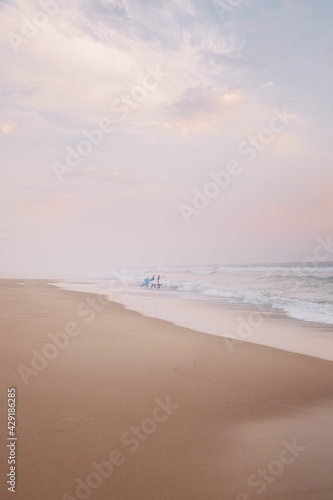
{"x":180,"y":89}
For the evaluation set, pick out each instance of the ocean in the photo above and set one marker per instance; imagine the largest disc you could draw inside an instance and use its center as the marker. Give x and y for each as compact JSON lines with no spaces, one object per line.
{"x":300,"y":291}
{"x":200,"y":297}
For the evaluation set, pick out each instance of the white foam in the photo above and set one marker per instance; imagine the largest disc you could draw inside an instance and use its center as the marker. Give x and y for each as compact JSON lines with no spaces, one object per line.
{"x":204,"y":271}
{"x":274,"y":269}
{"x":208,"y":316}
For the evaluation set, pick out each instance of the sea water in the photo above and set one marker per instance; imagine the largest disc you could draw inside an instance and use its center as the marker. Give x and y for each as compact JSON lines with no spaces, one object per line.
{"x":197,"y":297}
{"x":301,"y":292}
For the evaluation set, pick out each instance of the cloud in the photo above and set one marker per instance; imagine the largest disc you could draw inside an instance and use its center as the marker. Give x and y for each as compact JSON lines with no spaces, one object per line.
{"x":97,"y":17}
{"x":124,"y":177}
{"x":273,"y":208}
{"x":7,"y":128}
{"x":200,"y":99}
{"x":37,"y":199}
{"x":66,"y":77}
{"x":92,"y":53}
{"x":202,"y":109}
{"x":267,"y":85}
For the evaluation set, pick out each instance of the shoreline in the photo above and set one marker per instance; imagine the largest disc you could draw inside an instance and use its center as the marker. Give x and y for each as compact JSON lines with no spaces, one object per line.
{"x":172,"y":411}
{"x":236,"y":321}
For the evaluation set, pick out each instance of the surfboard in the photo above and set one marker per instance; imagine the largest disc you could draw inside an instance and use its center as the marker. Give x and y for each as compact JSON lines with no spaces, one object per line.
{"x":146,"y":282}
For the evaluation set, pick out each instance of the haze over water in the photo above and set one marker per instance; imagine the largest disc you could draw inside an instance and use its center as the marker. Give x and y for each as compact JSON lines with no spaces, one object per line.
{"x":198,"y":297}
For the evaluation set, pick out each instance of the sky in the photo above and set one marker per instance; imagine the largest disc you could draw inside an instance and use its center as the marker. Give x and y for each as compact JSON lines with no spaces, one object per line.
{"x":147,"y":133}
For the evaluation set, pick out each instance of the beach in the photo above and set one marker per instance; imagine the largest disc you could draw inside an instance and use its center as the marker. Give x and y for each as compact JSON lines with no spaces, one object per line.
{"x":166,"y":250}
{"x":118,"y":405}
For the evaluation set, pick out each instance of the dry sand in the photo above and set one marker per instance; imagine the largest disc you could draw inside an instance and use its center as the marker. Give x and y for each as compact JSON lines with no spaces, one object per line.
{"x":104,"y":397}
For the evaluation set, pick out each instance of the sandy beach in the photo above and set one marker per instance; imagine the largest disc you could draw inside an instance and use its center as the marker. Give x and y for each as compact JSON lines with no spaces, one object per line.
{"x":112,"y":404}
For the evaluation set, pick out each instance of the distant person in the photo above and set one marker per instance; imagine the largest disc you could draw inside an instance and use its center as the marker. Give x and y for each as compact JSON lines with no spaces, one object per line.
{"x":152,"y":281}
{"x":158,"y":281}
{"x":145,"y":283}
